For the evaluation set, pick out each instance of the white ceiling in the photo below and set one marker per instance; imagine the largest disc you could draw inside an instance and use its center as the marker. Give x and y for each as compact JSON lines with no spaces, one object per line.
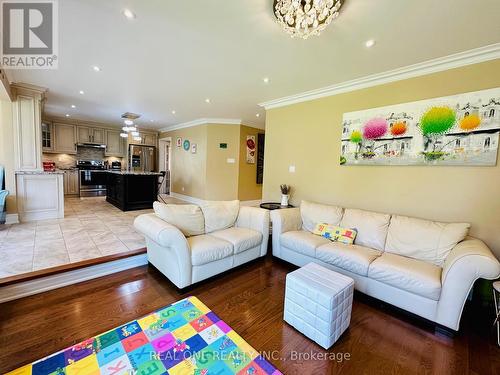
{"x":177,"y":53}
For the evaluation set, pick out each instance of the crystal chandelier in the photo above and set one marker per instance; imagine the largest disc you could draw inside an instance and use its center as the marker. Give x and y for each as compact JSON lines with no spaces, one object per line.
{"x":303,"y":18}
{"x":130,"y":127}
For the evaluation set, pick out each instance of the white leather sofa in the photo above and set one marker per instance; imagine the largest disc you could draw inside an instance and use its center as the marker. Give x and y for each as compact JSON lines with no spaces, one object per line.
{"x":190,"y":248}
{"x":424,"y":267}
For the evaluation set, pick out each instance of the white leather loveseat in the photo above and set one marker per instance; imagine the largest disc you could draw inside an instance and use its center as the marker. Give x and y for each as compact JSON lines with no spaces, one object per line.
{"x":188,"y":243}
{"x":425,"y":267}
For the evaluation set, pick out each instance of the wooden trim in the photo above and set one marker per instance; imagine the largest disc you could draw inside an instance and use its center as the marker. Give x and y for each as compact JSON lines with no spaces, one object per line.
{"x":68,"y":267}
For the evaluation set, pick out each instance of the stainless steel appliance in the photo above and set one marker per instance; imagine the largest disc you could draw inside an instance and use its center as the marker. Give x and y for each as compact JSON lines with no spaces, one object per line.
{"x":142,"y":158}
{"x":92,"y":178}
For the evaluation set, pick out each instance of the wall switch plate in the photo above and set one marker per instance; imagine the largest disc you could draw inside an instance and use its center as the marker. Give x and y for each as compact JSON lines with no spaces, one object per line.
{"x":182,"y":188}
{"x":231,"y":161}
{"x":291,"y":169}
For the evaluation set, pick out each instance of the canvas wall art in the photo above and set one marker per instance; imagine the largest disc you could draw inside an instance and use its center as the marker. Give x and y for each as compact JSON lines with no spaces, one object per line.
{"x":251,"y":148}
{"x":453,"y":130}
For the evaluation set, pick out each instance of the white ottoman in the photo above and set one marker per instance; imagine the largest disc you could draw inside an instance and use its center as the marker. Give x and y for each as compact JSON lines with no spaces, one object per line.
{"x":318,"y":303}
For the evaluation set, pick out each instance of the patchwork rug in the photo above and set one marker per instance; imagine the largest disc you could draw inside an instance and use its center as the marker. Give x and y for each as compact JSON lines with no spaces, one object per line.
{"x":183,"y":338}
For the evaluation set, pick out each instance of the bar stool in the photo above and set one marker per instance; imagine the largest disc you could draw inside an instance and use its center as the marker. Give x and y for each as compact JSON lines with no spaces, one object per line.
{"x":496,"y":295}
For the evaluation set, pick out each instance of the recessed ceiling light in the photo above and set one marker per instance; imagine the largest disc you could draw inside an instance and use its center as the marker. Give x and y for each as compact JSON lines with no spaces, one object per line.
{"x":129,"y":14}
{"x":96,"y":68}
{"x":257,"y":115}
{"x":82,"y":92}
{"x":173,"y":112}
{"x":152,"y":120}
{"x":73,"y":106}
{"x":370,"y":43}
{"x":207,"y":100}
{"x":67,"y":114}
{"x":266,"y":80}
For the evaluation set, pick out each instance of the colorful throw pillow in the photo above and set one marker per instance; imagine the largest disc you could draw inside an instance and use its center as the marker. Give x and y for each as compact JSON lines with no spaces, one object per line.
{"x":335,"y":233}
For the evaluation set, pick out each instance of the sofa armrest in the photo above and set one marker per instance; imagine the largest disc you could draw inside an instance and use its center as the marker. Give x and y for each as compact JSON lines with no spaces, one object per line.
{"x":257,"y":219}
{"x":286,"y":220}
{"x":469,"y":260}
{"x":160,"y":231}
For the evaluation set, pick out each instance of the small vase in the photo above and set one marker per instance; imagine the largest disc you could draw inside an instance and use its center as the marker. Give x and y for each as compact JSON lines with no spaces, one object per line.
{"x":284,"y":199}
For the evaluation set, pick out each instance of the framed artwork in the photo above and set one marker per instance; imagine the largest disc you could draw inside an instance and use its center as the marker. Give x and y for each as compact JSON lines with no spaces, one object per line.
{"x":186,"y":145}
{"x":251,"y":148}
{"x":179,"y":142}
{"x":452,"y":130}
{"x":194,"y":148}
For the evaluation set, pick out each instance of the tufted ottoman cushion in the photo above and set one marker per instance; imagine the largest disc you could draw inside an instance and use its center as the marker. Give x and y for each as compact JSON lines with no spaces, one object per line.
{"x":318,"y":303}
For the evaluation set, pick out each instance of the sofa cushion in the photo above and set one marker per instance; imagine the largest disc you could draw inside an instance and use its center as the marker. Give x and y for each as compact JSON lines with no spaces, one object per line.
{"x":414,"y":276}
{"x":371,"y":226}
{"x":302,"y":241}
{"x":241,"y":238}
{"x":426,"y":240}
{"x":335,"y":233}
{"x":315,"y":213}
{"x":206,"y":249}
{"x":220,"y":214}
{"x":351,"y":258}
{"x":188,"y":218}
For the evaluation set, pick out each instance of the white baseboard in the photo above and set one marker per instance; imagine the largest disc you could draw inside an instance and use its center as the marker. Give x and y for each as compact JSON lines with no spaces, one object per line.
{"x":31,"y":287}
{"x":12,"y":219}
{"x":199,"y":201}
{"x":187,"y":198}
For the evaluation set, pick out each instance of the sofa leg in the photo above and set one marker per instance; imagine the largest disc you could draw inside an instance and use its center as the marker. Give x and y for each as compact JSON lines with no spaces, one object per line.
{"x":445,"y":331}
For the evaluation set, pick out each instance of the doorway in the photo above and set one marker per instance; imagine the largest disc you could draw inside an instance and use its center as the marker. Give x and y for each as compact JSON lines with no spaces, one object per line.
{"x":165,"y":156}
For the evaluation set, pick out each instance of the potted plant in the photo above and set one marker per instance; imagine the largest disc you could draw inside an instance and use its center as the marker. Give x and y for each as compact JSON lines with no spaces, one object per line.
{"x":285,"y":194}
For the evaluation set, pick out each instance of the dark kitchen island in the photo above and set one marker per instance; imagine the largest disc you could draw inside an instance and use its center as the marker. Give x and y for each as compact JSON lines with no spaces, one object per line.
{"x":132,"y":190}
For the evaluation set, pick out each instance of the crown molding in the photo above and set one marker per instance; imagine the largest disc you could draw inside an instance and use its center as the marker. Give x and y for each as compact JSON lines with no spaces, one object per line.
{"x":252,"y":124}
{"x":202,"y":121}
{"x":473,"y":56}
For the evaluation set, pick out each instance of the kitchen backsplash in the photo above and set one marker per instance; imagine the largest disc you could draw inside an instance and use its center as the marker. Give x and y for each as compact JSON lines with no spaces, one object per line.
{"x":65,"y":161}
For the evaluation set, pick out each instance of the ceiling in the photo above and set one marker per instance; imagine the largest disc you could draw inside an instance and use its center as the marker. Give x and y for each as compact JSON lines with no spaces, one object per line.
{"x":175,"y":54}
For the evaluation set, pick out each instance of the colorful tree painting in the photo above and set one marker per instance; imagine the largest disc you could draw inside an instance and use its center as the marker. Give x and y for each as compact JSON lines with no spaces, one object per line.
{"x":373,"y":130}
{"x":357,"y":138}
{"x":470,"y":122}
{"x":399,"y":128}
{"x":434,"y":123}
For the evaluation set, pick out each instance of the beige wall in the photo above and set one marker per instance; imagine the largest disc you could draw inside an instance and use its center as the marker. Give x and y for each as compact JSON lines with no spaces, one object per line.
{"x":207,"y":174}
{"x":7,"y":152}
{"x":248,"y":189}
{"x":189,"y":170}
{"x":222,"y":177}
{"x":307,"y":135}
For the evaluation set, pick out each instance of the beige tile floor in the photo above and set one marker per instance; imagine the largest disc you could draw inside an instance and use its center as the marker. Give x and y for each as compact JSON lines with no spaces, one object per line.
{"x":91,"y":228}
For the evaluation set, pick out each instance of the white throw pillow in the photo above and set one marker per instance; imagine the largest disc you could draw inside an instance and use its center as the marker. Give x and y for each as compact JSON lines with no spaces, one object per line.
{"x":315,"y":213}
{"x":220,"y":214}
{"x":371,"y":226}
{"x":430,"y":241}
{"x":188,"y":218}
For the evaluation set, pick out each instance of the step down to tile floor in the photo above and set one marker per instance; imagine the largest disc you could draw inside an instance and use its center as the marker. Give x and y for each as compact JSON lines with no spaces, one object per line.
{"x":30,"y":283}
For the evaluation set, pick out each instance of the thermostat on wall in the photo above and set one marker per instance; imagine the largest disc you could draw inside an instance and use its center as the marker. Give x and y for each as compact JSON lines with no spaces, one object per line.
{"x":222,"y":145}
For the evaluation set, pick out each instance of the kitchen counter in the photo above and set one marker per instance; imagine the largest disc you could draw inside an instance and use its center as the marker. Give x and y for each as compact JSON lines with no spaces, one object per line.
{"x":135,"y":173}
{"x":132,"y":190}
{"x":57,"y":171}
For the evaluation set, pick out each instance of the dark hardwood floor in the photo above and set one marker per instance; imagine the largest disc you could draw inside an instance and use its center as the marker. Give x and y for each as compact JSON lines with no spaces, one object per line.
{"x":380,"y":340}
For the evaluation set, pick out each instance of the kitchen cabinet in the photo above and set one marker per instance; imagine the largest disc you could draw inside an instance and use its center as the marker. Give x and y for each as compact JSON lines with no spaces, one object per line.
{"x":47,"y":136}
{"x":64,"y":138}
{"x":115,"y":145}
{"x":132,"y":191}
{"x":147,"y":139}
{"x":71,"y":182}
{"x":91,"y":135}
